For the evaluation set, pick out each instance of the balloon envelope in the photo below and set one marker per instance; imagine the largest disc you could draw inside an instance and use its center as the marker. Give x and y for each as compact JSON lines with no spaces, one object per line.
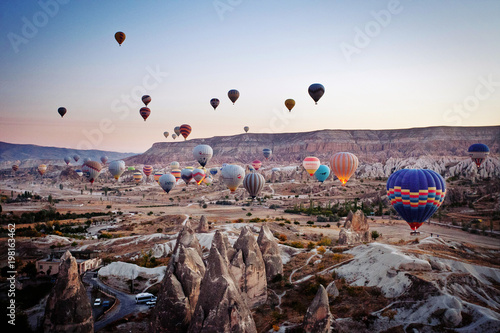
{"x":120,"y":37}
{"x":174,"y":165}
{"x":79,"y":172}
{"x":147,"y":169}
{"x":478,"y":152}
{"x":267,"y":152}
{"x":92,"y":169}
{"x":198,"y":175}
{"x":254,"y":183}
{"x":185,"y":130}
{"x":15,"y":167}
{"x":186,"y":175}
{"x":213,"y":171}
{"x":256,"y":164}
{"x":157,"y":175}
{"x":167,"y":182}
{"x":246,"y":128}
{"x":67,"y":159}
{"x":116,"y":168}
{"x":416,"y":194}
{"x":322,"y":173}
{"x":146,"y":99}
{"x":41,"y":169}
{"x":174,"y":136}
{"x":144,"y":112}
{"x":137,"y":177}
{"x":87,"y":159}
{"x":166,"y":134}
{"x":203,"y":154}
{"x":104,"y":159}
{"x":177,"y":130}
{"x":62,"y":111}
{"x":233,"y":95}
{"x":214,"y":102}
{"x":316,"y":90}
{"x":344,"y":165}
{"x":311,"y":164}
{"x":176,"y":173}
{"x":232,"y":175}
{"x":289,"y":103}
{"x":76,"y":157}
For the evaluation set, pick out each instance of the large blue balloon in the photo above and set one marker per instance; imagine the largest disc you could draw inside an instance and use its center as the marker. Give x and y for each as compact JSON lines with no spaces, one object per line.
{"x":267,"y":152}
{"x":322,"y":173}
{"x":416,"y":194}
{"x":478,"y":152}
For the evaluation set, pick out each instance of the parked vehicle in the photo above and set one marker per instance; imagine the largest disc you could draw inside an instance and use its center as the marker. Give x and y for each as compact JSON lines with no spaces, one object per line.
{"x":144,"y":297}
{"x":97,"y":302}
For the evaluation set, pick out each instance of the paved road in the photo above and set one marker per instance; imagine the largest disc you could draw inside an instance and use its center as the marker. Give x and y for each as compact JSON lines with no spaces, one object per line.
{"x":125,"y":307}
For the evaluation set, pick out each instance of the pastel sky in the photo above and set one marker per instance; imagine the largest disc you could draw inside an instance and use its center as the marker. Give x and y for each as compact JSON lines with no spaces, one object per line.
{"x":384,"y":64}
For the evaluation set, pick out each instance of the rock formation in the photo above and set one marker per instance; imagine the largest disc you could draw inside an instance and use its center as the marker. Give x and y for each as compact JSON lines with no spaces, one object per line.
{"x":332,"y":290}
{"x":220,"y":308}
{"x":203,"y":226}
{"x":68,"y":306}
{"x":180,"y":287}
{"x":356,"y":229}
{"x":317,"y":318}
{"x":248,"y":268}
{"x":221,"y":243}
{"x":270,"y":253}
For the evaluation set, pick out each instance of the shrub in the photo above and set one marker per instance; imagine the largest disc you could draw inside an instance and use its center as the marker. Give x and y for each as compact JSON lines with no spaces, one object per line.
{"x":375,"y":235}
{"x":297,"y":244}
{"x":310,"y":245}
{"x":325,"y":241}
{"x":310,"y":222}
{"x":282,"y":237}
{"x":321,"y":250}
{"x":296,"y":222}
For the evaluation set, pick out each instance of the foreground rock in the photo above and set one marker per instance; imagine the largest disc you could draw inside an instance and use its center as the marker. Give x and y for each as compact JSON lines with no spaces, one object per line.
{"x":271,"y":254}
{"x":68,"y":306}
{"x":248,"y":269}
{"x":203,"y":227}
{"x":356,"y":229}
{"x":220,"y":308}
{"x":317,"y":318}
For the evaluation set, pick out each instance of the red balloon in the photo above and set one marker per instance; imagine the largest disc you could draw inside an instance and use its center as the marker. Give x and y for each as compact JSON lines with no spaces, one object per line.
{"x":145,"y":112}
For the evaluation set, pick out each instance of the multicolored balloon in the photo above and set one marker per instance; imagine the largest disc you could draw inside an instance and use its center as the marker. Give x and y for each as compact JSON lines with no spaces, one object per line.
{"x":166,"y":134}
{"x":208,"y":180}
{"x":187,"y":175}
{"x":120,"y":37}
{"x":177,"y":130}
{"x":213,"y":171}
{"x":246,"y":128}
{"x":104,"y":159}
{"x":92,"y":170}
{"x":416,"y":194}
{"x":79,"y":172}
{"x":254,"y":183}
{"x":198,"y":175}
{"x":157,"y":176}
{"x":214,"y":102}
{"x":116,"y":168}
{"x":174,"y":165}
{"x":267,"y":152}
{"x":233,"y":95}
{"x":137,"y":177}
{"x":322,"y":173}
{"x":478,"y":152}
{"x":67,"y":160}
{"x":203,"y":154}
{"x":311,"y":164}
{"x":147,"y":169}
{"x":256,"y":164}
{"x":144,"y":112}
{"x":15,"y":168}
{"x":289,"y":103}
{"x":176,"y":173}
{"x":343,"y":166}
{"x":232,"y":175}
{"x":62,"y":111}
{"x":185,"y":130}
{"x":146,"y":99}
{"x":41,"y":169}
{"x":316,"y":91}
{"x":174,"y":136}
{"x":167,"y":182}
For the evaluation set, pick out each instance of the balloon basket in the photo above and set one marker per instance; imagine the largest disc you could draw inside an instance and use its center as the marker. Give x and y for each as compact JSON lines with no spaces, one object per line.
{"x":414,"y":233}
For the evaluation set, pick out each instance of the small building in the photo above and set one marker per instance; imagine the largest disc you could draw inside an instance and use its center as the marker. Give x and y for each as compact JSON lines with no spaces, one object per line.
{"x":86,"y":260}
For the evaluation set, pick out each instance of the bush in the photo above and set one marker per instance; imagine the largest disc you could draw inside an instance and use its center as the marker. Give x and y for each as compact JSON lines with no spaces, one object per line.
{"x":375,"y":235}
{"x":296,"y":222}
{"x":297,"y":244}
{"x":310,"y":222}
{"x":325,"y":241}
{"x":310,"y":245}
{"x":321,"y":250}
{"x":249,"y":214}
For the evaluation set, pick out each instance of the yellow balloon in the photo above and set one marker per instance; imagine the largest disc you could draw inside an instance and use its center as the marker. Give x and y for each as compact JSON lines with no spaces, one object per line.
{"x":289,"y":103}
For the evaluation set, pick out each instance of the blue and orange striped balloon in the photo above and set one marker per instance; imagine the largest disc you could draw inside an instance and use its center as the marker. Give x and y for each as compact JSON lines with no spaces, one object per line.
{"x":416,"y":194}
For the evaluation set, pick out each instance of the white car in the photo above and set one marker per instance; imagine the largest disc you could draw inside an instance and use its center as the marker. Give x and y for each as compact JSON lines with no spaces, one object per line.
{"x":97,"y":302}
{"x":151,"y":303}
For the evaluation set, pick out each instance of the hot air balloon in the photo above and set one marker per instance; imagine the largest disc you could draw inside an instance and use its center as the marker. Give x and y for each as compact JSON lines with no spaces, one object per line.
{"x":213,"y":171}
{"x":62,"y":111}
{"x":146,"y":99}
{"x":214,"y":102}
{"x":203,"y":154}
{"x":246,"y":128}
{"x":76,"y":157}
{"x":275,"y":169}
{"x":41,"y":169}
{"x":249,"y":168}
{"x":254,"y":183}
{"x":289,"y":103}
{"x":186,"y":175}
{"x":177,"y":130}
{"x":478,"y":152}
{"x":120,"y":37}
{"x":104,"y":159}
{"x":198,"y":175}
{"x":147,"y":169}
{"x":316,"y":90}
{"x":256,"y":164}
{"x":92,"y":169}
{"x":137,"y":177}
{"x":145,"y":112}
{"x":167,"y":182}
{"x":185,"y":130}
{"x":322,"y":173}
{"x":157,"y":176}
{"x":67,"y":159}
{"x":15,"y":167}
{"x":232,"y":175}
{"x":87,"y":159}
{"x":343,"y":166}
{"x":176,"y":173}
{"x":267,"y":152}
{"x":166,"y":134}
{"x":174,"y":136}
{"x":416,"y":194}
{"x":311,"y":164}
{"x":79,"y":172}
{"x":233,"y":95}
{"x":174,"y":165}
{"x":131,"y":168}
{"x":208,"y":180}
{"x":116,"y":168}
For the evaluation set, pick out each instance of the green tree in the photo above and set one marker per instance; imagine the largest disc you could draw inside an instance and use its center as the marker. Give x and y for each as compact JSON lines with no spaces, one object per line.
{"x":51,"y":201}
{"x":375,"y":235}
{"x":61,"y":186}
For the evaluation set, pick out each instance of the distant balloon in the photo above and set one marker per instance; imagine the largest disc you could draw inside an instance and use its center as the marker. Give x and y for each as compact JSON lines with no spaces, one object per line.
{"x":116,"y":168}
{"x":478,"y":152}
{"x":67,"y":160}
{"x":146,"y":99}
{"x":62,"y":111}
{"x":131,"y":168}
{"x":208,"y":180}
{"x":186,"y":175}
{"x":198,"y":175}
{"x":246,"y":128}
{"x":177,"y":130}
{"x":185,"y":130}
{"x":311,"y":164}
{"x":15,"y":167}
{"x":92,"y":169}
{"x":267,"y":152}
{"x":232,"y":175}
{"x":316,"y":90}
{"x":137,"y":177}
{"x":104,"y":159}
{"x":174,"y":136}
{"x":145,"y":112}
{"x":147,"y":169}
{"x":214,"y":102}
{"x":233,"y":95}
{"x":41,"y":169}
{"x":203,"y":154}
{"x":214,"y":171}
{"x":166,"y":134}
{"x":157,"y":176}
{"x":76,"y":157}
{"x":343,"y":166}
{"x":174,"y":165}
{"x":167,"y":182}
{"x":249,"y":168}
{"x":120,"y":37}
{"x":322,"y":173}
{"x":275,"y":169}
{"x":289,"y":103}
{"x":256,"y":164}
{"x":254,"y":183}
{"x":79,"y":172}
{"x":87,"y":159}
{"x":416,"y":194}
{"x":176,"y":173}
